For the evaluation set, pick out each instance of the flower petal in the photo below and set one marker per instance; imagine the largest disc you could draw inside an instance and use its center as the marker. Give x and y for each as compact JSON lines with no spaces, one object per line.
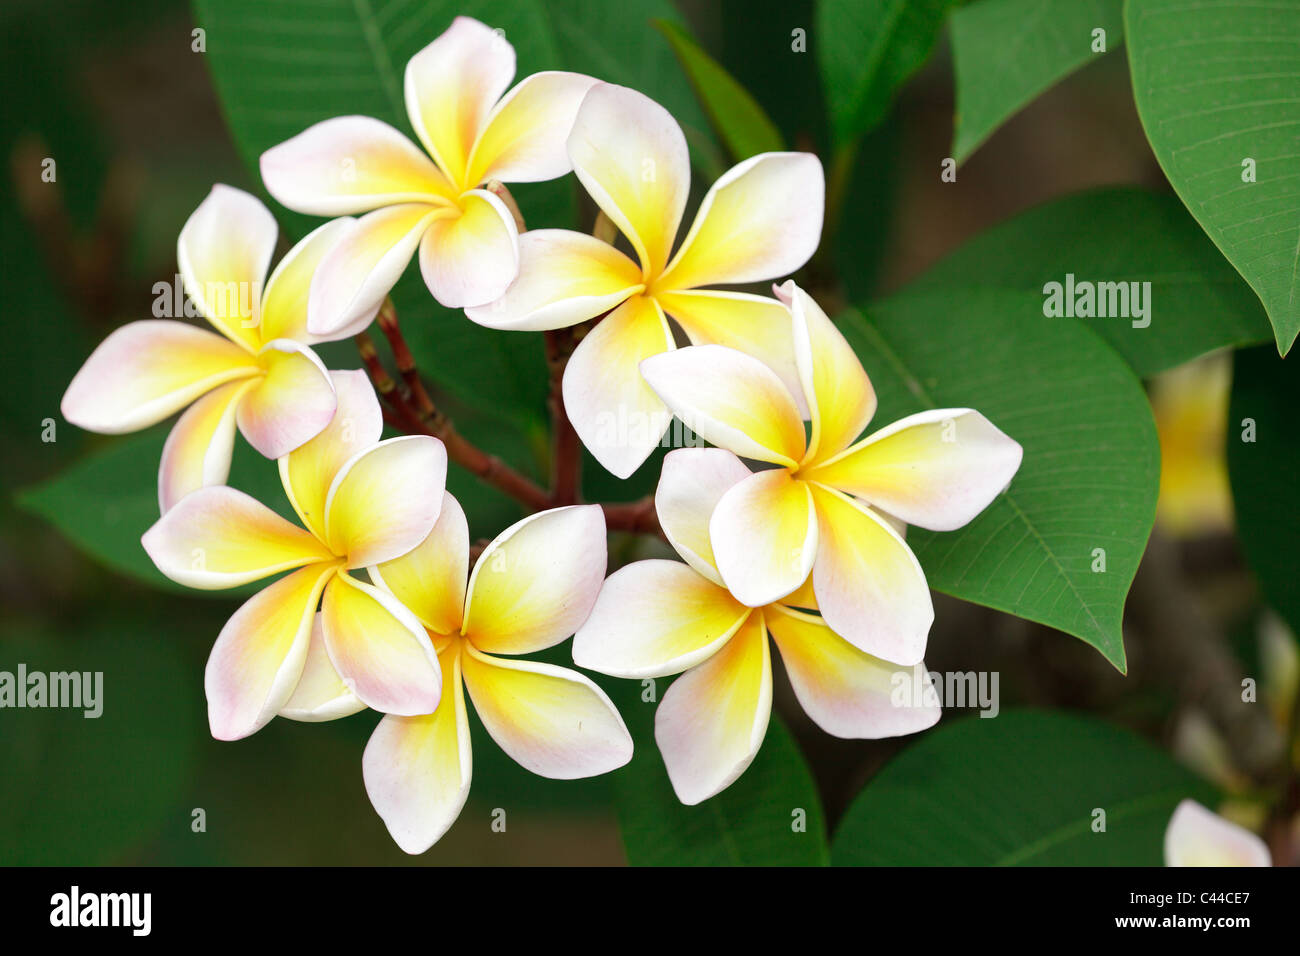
{"x":261,"y":652}
{"x":523,"y":140}
{"x":1198,"y":837}
{"x":564,"y":278}
{"x":615,"y":413}
{"x":199,"y":446}
{"x":552,"y":721}
{"x":691,"y":484}
{"x":730,"y":399}
{"x":631,"y":156}
{"x":379,"y":649}
{"x":356,"y":275}
{"x":284,"y":304}
{"x":224,"y":250}
{"x":350,"y":164}
{"x":289,"y":405}
{"x":417,"y":769}
{"x":762,"y":219}
{"x":472,"y":258}
{"x":536,"y":582}
{"x":219,"y":537}
{"x":840,"y":398}
{"x":870,"y":588}
{"x":308,"y":471}
{"x":655,"y":618}
{"x":385,"y":500}
{"x":320,"y":694}
{"x":451,"y":86}
{"x":764,"y":533}
{"x":936,"y":469}
{"x":431,"y":579}
{"x":147,"y":370}
{"x":847,"y":693}
{"x":714,"y":717}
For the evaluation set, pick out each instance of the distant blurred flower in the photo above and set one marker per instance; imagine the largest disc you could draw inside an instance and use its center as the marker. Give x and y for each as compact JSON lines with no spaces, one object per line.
{"x":1197,"y":837}
{"x":1191,"y":411}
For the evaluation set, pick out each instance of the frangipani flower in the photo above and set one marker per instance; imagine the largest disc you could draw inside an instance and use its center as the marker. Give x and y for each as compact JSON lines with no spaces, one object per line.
{"x":1198,"y":837}
{"x":468,"y":242}
{"x":531,"y":588}
{"x":362,"y":501}
{"x":655,"y":618}
{"x":822,"y":508}
{"x":258,"y":373}
{"x":761,"y":220}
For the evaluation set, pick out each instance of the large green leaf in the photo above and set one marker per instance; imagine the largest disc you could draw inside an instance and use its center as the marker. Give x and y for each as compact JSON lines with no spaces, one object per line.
{"x":867,"y":49}
{"x":1022,"y":789}
{"x":1217,"y":90}
{"x":1006,"y":52}
{"x":1265,"y":400}
{"x":1197,"y":302}
{"x":1091,"y":465}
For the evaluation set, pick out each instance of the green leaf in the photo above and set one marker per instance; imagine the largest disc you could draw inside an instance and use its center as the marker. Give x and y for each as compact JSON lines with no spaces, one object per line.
{"x":1091,"y":465}
{"x":740,"y":122}
{"x":1007,"y":52}
{"x":1197,"y":302}
{"x":1021,"y":789}
{"x":751,"y":823}
{"x":1218,"y":92}
{"x":867,"y":49}
{"x":1265,"y":398}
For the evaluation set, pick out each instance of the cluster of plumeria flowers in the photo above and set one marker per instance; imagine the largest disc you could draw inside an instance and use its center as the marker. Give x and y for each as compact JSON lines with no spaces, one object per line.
{"x":380,"y":604}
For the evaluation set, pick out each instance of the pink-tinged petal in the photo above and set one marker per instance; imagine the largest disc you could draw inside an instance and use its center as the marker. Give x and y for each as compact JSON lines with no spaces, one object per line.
{"x":284,"y":304}
{"x":290,"y":404}
{"x":199,"y":446}
{"x":321,"y":694}
{"x":351,"y":164}
{"x":536,"y":582}
{"x":761,"y":220}
{"x":417,"y":769}
{"x":431,"y":579}
{"x":451,"y":86}
{"x":385,"y":500}
{"x":615,"y":413}
{"x":219,"y":537}
{"x":471,"y":259}
{"x":379,"y":649}
{"x":631,"y":156}
{"x":564,"y":278}
{"x":357,"y":274}
{"x":224,"y":250}
{"x":523,"y":140}
{"x":145,"y":371}
{"x":764,"y":533}
{"x":870,"y":588}
{"x":691,"y":484}
{"x":936,"y":469}
{"x":752,"y":324}
{"x":1198,"y":837}
{"x":840,"y":397}
{"x":655,"y":618}
{"x":308,"y":471}
{"x":714,"y":717}
{"x":730,"y":399}
{"x":846,"y":692}
{"x":550,"y":720}
{"x":260,"y":654}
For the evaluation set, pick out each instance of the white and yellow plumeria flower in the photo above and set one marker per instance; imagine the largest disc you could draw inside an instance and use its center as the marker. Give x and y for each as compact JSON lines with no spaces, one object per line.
{"x":362,"y":501}
{"x":822,"y":508}
{"x":656,"y":618}
{"x":468,"y":242}
{"x":1199,"y":837}
{"x":531,"y":588}
{"x":760,"y":221}
{"x":259,"y":373}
